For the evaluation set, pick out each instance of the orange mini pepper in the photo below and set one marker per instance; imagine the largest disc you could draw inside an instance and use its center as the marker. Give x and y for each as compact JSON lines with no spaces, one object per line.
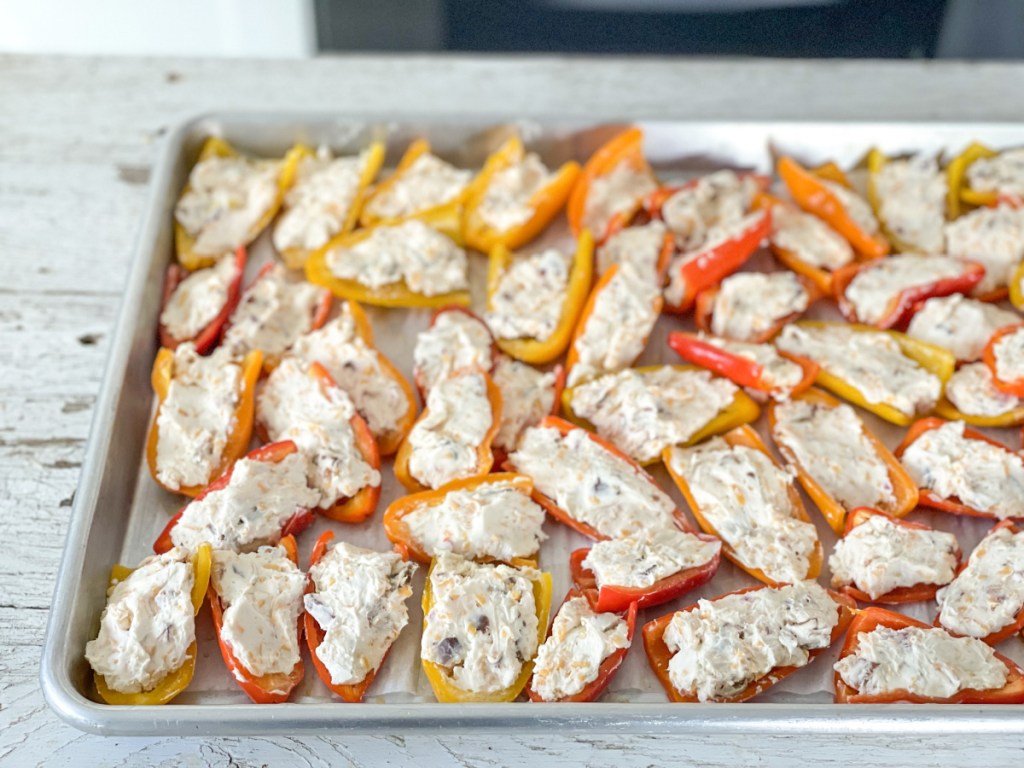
{"x":988,"y":356}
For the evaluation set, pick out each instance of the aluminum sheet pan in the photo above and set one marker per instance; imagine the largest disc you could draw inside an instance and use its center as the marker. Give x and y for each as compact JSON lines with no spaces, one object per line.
{"x":119,"y":510}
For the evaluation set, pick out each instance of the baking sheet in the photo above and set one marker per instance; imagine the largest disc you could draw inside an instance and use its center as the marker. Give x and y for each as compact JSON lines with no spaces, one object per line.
{"x":124,"y":499}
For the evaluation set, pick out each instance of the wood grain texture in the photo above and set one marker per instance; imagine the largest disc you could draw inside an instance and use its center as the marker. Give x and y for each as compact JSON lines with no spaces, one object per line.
{"x":77,"y":140}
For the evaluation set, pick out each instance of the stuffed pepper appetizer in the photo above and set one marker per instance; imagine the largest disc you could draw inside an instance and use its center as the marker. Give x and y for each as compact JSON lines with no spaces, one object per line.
{"x":972,"y":396}
{"x":994,"y":238}
{"x":753,"y":306}
{"x":982,"y":176}
{"x":196,"y":305}
{"x":908,"y":196}
{"x":527,"y":396}
{"x":646,"y":247}
{"x":1004,"y":358}
{"x":456,"y":339}
{"x":961,"y":325}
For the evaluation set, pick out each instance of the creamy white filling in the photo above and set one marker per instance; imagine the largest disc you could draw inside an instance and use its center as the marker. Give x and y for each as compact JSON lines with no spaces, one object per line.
{"x":879,"y":556}
{"x":831,"y":447}
{"x":748,"y":304}
{"x":809,"y":238}
{"x":870,"y":362}
{"x":319,"y":203}
{"x":292,"y":405}
{"x":527,"y":396}
{"x":746,"y":498}
{"x":873,"y":290}
{"x":640,"y":245}
{"x":226,"y":199}
{"x":1009,"y":356}
{"x":198,"y":299}
{"x":642,"y":412}
{"x":912,"y":202}
{"x":641,"y":561}
{"x":993,"y":237}
{"x":980,"y":475}
{"x":272,"y":313}
{"x":197,"y":417}
{"x":618,"y":192}
{"x":358,"y":369}
{"x":446,"y":439}
{"x":427,"y":261}
{"x":856,"y":207}
{"x":988,"y":594}
{"x":1003,"y":174}
{"x":971,"y":391}
{"x":359,"y":601}
{"x":427,"y":183}
{"x":482,"y":626}
{"x":923,"y":661}
{"x":147,"y":625}
{"x":591,"y":484}
{"x":580,"y":641}
{"x":697,"y":212}
{"x":494,"y":520}
{"x":506,"y":202}
{"x":616,"y":330}
{"x":261,"y":594}
{"x":530,"y":296}
{"x":777,"y":372}
{"x":961,"y":325}
{"x":455,"y":340}
{"x":251,"y":509}
{"x":722,"y":646}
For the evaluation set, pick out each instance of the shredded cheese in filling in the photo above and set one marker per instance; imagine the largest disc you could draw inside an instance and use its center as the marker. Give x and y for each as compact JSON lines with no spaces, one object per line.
{"x":293,"y":405}
{"x":639,"y":245}
{"x":980,"y":475}
{"x":988,"y":594}
{"x":972,"y":392}
{"x":700,"y":211}
{"x":616,"y":193}
{"x":922,"y":661}
{"x":961,"y":325}
{"x":750,"y":304}
{"x":446,"y":441}
{"x":830,"y":445}
{"x":359,"y":601}
{"x":870,"y":362}
{"x":147,"y":625}
{"x":527,"y":396}
{"x":530,"y":296}
{"x":580,"y":641}
{"x":198,"y":299}
{"x":722,"y":646}
{"x":636,"y":562}
{"x":226,"y":199}
{"x":319,"y":203}
{"x":777,"y":372}
{"x":358,"y":369}
{"x":874,"y":289}
{"x":993,"y":237}
{"x":591,"y":484}
{"x":746,"y":499}
{"x":1009,"y":356}
{"x":1003,"y":174}
{"x":482,"y":626}
{"x":616,"y":330}
{"x":809,"y":239}
{"x":856,"y":207}
{"x":506,"y":202}
{"x":455,"y":340}
{"x":273,"y":312}
{"x":197,"y":417}
{"x":261,"y":594}
{"x":879,"y":556}
{"x":494,"y":520}
{"x":912,"y":202}
{"x":427,"y":261}
{"x":251,"y":509}
{"x":642,"y":412}
{"x":427,"y":183}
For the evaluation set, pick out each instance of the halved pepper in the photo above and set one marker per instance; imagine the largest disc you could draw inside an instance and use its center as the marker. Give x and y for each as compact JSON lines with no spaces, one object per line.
{"x":738,"y":369}
{"x":421,"y":385}
{"x":1010,"y":418}
{"x":274,"y":452}
{"x":546,"y":202}
{"x":241,"y":432}
{"x":447,"y":692}
{"x":958,"y":193}
{"x":876,"y":161}
{"x":627,"y":149}
{"x":262,"y":689}
{"x":485,"y":459}
{"x":217,"y":147}
{"x":703,"y":313}
{"x":813,"y":196}
{"x":178,"y":680}
{"x":742,"y":410}
{"x":868,"y":620}
{"x":208,"y":337}
{"x":391,"y":295}
{"x":904,"y":489}
{"x":608,"y":667}
{"x":745,"y":437}
{"x":917,"y":593}
{"x":295,"y":258}
{"x":539,"y":351}
{"x":659,"y":655}
{"x":397,"y":529}
{"x":988,"y":356}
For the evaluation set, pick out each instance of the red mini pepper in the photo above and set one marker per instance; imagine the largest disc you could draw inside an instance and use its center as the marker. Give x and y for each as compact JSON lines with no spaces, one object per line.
{"x":703,"y":314}
{"x":988,"y":356}
{"x":208,"y":337}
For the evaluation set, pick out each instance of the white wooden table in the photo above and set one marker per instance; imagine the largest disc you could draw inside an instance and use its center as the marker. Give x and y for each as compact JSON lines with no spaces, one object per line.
{"x":77,"y":140}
